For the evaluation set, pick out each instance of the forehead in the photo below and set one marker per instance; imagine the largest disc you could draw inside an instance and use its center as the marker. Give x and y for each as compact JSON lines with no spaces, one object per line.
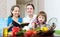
{"x":29,"y":6}
{"x":16,"y":8}
{"x":41,"y":16}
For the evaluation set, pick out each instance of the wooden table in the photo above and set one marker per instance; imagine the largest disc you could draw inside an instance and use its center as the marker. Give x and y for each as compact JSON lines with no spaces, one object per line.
{"x":49,"y":34}
{"x":35,"y":36}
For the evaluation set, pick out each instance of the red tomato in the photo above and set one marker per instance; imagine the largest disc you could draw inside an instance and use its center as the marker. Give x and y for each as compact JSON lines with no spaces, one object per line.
{"x":29,"y":33}
{"x":34,"y":33}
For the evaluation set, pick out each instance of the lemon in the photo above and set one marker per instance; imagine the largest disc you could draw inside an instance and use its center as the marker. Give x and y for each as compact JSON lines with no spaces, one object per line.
{"x":44,"y":29}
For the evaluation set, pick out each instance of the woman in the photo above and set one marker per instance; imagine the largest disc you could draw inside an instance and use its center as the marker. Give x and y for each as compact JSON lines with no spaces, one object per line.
{"x":15,"y":16}
{"x":30,"y":13}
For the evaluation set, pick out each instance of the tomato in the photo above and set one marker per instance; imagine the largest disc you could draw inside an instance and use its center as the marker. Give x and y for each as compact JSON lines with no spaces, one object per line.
{"x":34,"y":33}
{"x":15,"y":30}
{"x":29,"y":33}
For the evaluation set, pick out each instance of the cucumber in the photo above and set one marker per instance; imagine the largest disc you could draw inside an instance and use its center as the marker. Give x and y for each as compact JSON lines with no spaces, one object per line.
{"x":38,"y":30}
{"x":20,"y":32}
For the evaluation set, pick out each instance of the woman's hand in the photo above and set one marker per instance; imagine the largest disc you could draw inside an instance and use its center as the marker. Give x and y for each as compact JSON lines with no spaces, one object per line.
{"x":33,"y":26}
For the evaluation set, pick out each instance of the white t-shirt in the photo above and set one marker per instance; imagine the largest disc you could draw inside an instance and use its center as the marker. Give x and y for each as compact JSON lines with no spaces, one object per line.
{"x":27,"y":19}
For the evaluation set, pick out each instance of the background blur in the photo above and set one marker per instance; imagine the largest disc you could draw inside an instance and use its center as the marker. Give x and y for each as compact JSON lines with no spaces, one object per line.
{"x":51,"y":7}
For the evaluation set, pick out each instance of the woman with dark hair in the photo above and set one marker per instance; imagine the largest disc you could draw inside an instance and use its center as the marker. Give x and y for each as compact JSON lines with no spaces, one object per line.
{"x":30,"y":13}
{"x":15,"y":16}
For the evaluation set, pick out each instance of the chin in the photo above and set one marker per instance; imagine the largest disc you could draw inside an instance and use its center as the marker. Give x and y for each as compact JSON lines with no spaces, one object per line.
{"x":41,"y":22}
{"x":16,"y":16}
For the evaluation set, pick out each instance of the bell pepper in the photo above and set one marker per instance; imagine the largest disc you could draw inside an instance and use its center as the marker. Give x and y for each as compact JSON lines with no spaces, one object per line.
{"x":15,"y":30}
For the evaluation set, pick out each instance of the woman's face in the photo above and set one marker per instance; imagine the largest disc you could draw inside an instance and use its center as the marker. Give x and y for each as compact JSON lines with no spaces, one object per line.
{"x":29,"y":10}
{"x":16,"y":12}
{"x":41,"y":19}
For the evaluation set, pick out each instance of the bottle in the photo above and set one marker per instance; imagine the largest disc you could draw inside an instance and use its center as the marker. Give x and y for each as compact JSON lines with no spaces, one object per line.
{"x":5,"y":32}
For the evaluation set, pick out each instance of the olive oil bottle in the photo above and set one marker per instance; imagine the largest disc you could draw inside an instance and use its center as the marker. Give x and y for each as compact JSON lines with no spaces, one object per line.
{"x":5,"y":32}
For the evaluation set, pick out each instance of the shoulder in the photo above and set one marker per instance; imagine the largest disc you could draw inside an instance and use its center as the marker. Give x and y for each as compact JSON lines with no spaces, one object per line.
{"x":25,"y":18}
{"x":9,"y":17}
{"x":9,"y":20}
{"x":34,"y":16}
{"x":20,"y":19}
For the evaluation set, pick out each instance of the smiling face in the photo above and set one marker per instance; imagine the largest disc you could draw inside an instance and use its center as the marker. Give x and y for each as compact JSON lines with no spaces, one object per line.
{"x":41,"y":19}
{"x":16,"y":12}
{"x":29,"y":9}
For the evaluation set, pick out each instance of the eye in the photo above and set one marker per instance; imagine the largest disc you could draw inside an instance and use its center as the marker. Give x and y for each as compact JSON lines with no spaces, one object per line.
{"x":15,"y":10}
{"x":27,"y":8}
{"x":39,"y":17}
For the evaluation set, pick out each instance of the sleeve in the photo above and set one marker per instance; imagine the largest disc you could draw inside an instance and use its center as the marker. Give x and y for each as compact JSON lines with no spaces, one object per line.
{"x":9,"y":21}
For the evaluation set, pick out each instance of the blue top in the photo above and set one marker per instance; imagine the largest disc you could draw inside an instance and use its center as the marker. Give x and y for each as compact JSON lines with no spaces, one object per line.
{"x":10,"y":21}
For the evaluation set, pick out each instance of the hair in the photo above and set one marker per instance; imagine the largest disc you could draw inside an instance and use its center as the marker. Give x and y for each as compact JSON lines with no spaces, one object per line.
{"x":42,"y":13}
{"x":13,"y":9}
{"x":31,"y":5}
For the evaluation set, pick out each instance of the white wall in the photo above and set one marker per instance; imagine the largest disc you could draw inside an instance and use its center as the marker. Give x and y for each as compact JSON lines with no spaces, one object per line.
{"x":5,"y":6}
{"x":52,"y":7}
{"x":39,"y":5}
{"x":10,"y":3}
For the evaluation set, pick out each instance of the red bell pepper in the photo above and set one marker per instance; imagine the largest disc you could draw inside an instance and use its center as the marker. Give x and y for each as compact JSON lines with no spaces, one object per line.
{"x":15,"y":30}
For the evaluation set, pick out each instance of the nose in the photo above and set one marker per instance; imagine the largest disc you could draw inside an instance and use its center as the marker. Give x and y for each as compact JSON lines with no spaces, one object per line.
{"x":17,"y":12}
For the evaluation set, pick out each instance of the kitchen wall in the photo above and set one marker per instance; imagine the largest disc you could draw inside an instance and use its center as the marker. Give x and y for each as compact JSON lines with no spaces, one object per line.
{"x":52,"y":8}
{"x":5,"y":6}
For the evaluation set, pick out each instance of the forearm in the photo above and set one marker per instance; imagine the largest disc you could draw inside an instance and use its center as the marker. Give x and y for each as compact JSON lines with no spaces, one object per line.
{"x":10,"y":26}
{"x":33,"y":26}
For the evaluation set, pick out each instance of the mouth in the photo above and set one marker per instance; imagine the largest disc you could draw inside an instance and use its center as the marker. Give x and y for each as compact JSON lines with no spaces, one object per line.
{"x":40,"y":20}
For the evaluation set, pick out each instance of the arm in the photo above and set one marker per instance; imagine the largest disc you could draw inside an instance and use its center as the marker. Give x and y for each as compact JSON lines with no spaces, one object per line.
{"x":33,"y":26}
{"x":10,"y":25}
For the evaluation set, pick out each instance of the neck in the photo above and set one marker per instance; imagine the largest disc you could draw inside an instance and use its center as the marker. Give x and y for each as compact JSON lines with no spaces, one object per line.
{"x":31,"y":16}
{"x":15,"y":18}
